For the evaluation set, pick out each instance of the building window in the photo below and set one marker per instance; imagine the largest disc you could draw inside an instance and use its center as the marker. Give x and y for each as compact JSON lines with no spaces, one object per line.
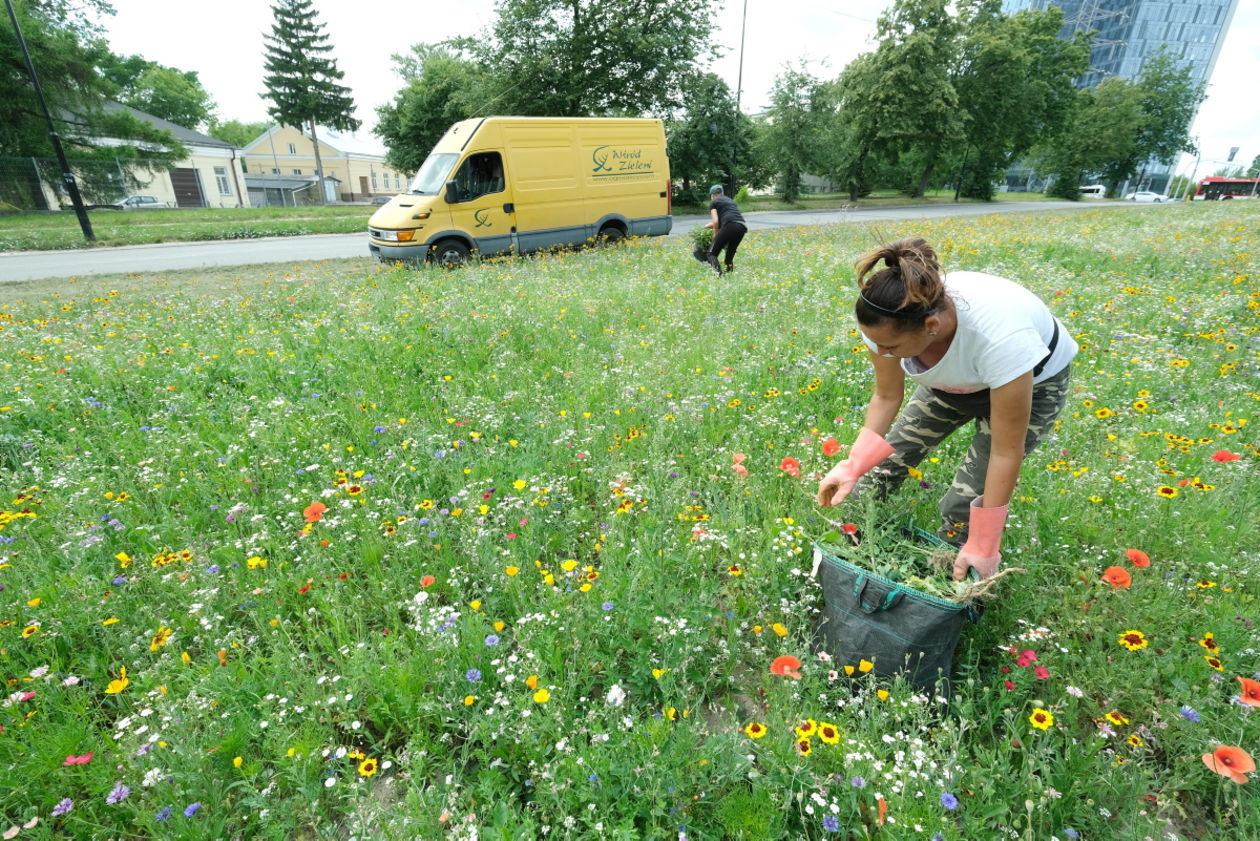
{"x":275,"y":171}
{"x":220,"y":175}
{"x":292,"y":148}
{"x":373,"y":181}
{"x":397,"y":181}
{"x":297,"y":172}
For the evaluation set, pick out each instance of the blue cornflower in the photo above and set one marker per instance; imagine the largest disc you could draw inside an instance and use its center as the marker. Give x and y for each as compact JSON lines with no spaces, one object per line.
{"x":949,"y":801}
{"x":213,"y":569}
{"x":378,"y":429}
{"x":122,"y":579}
{"x":938,"y":836}
{"x":1071,"y":833}
{"x":192,"y":809}
{"x":61,"y":808}
{"x":831,"y":823}
{"x":607,"y":605}
{"x":118,"y":794}
{"x":164,"y":814}
{"x":858,"y":782}
{"x":1190,"y":714}
{"x":492,"y":640}
{"x":473,"y":675}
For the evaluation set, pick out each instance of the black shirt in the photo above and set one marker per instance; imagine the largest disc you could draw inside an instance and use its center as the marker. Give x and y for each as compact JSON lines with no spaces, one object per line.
{"x":727,"y":211}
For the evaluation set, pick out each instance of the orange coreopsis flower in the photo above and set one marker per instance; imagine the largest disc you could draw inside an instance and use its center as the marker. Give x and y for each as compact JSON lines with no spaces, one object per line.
{"x":1117,"y":577}
{"x":830,"y":447}
{"x":1250,"y":694}
{"x":1230,"y":762}
{"x":786,"y":665}
{"x":314,"y":512}
{"x":1137,"y":557}
{"x":790,"y":466}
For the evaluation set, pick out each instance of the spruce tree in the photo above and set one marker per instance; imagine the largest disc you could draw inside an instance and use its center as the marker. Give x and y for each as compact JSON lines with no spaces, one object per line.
{"x":302,"y":79}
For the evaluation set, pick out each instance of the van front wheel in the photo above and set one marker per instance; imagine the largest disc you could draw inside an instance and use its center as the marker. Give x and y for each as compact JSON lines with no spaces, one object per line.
{"x":450,"y":254}
{"x":610,"y":235}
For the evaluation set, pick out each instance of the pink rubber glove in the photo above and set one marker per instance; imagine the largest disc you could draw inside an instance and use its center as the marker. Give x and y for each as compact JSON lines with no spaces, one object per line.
{"x":984,"y":540}
{"x":867,"y":451}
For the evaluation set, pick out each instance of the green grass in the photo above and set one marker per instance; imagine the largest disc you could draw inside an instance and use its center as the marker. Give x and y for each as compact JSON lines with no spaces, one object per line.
{"x":49,"y":231}
{"x":527,"y":472}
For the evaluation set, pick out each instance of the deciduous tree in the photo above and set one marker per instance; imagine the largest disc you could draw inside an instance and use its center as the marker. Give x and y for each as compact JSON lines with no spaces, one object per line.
{"x":573,"y":58}
{"x":173,"y":95}
{"x":441,"y":88}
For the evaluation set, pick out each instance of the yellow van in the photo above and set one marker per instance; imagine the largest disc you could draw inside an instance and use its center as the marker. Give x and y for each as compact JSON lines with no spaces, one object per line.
{"x":498,"y":185}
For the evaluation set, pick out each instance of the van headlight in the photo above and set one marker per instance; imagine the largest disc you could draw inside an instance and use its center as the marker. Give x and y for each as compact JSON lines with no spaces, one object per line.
{"x":395,"y":236}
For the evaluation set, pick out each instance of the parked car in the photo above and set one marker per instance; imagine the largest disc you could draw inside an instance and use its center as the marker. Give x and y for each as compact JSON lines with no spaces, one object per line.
{"x":1146,"y":195}
{"x":140,"y":203}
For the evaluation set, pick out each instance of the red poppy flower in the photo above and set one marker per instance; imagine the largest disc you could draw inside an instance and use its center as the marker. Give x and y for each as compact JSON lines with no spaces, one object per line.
{"x":1230,"y":762}
{"x":790,"y":466}
{"x":1225,"y":455}
{"x":1117,"y":577}
{"x":1138,"y":558}
{"x":830,"y":447}
{"x":427,"y":581}
{"x":314,"y":512}
{"x":787,"y":666}
{"x":1250,"y":694}
{"x":849,"y":529}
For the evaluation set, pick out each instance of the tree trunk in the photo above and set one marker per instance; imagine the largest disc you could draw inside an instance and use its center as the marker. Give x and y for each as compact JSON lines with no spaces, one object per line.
{"x":923,"y":179}
{"x":319,"y":166}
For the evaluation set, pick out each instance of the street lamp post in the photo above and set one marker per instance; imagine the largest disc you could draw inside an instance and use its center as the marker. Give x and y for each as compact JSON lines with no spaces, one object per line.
{"x":67,"y":176}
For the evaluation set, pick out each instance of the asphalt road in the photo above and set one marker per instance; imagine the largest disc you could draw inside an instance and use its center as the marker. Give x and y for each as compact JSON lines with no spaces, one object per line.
{"x":145,"y":259}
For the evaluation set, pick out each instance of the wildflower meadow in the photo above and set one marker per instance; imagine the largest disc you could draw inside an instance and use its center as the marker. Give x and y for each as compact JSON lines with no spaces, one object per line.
{"x":523,"y":551}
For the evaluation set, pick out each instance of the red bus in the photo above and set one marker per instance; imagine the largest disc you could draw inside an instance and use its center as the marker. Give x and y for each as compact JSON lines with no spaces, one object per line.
{"x":1216,"y":188}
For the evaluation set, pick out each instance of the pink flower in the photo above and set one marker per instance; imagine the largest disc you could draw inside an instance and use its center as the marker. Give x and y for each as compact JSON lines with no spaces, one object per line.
{"x":78,"y":760}
{"x":1041,"y":672}
{"x":740,"y":469}
{"x":1026,"y":659}
{"x":1010,"y":686}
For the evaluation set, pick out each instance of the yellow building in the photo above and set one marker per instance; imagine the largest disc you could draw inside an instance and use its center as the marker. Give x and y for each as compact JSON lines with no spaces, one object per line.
{"x":353,"y":169}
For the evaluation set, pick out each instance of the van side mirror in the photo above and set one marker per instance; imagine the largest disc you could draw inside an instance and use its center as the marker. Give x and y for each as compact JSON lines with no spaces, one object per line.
{"x":452,"y":195}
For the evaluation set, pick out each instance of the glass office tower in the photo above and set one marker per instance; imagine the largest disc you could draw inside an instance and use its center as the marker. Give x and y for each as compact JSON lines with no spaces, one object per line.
{"x":1127,"y":31}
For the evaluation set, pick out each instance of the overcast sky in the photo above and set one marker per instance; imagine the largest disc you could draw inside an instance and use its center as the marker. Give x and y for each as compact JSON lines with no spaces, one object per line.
{"x":223,"y":42}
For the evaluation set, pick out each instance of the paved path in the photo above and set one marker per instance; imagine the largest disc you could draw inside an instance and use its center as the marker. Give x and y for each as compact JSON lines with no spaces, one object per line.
{"x":144,"y":259}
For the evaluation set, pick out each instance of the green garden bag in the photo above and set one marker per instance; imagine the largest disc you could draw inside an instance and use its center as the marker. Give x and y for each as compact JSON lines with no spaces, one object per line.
{"x":901,"y":630}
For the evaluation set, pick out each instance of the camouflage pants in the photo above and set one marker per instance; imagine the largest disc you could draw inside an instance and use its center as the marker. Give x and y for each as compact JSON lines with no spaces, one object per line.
{"x":927,"y":420}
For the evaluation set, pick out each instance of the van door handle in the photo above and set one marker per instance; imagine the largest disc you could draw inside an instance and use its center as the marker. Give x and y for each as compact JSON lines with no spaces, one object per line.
{"x":509,"y":208}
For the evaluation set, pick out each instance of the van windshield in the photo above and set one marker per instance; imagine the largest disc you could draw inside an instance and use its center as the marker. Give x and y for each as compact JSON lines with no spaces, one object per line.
{"x":432,"y":175}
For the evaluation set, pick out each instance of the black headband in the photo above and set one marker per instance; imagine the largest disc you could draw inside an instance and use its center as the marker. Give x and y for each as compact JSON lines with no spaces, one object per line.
{"x":914,"y":315}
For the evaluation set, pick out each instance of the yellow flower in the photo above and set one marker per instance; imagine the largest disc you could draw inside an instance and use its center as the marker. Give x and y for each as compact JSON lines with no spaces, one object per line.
{"x":865,"y":666}
{"x":806,"y":728}
{"x":882,"y":694}
{"x":520,"y":484}
{"x":657,"y":673}
{"x":512,"y":571}
{"x":755,"y":730}
{"x":532,"y":681}
{"x":500,"y":625}
{"x":1133,"y":640}
{"x":779,"y":629}
{"x":34,"y":602}
{"x":829,"y":733}
{"x":475,"y":604}
{"x":542,"y":696}
{"x":469,"y":700}
{"x":367,"y":767}
{"x":1041,"y":719}
{"x":1116,"y":718}
{"x":110,"y":621}
{"x":160,"y":639}
{"x":30,"y":631}
{"x":236,"y":762}
{"x":124,"y":559}
{"x":119,"y":684}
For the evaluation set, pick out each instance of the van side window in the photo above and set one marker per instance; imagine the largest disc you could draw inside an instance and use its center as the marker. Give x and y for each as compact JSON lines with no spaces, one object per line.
{"x":480,"y":175}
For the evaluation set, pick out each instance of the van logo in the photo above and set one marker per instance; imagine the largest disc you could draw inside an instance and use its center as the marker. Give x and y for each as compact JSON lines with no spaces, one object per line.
{"x":600,"y":158}
{"x":482,"y":220}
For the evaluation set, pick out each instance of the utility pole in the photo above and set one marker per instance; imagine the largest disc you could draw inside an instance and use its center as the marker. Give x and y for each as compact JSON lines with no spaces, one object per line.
{"x":67,"y":177}
{"x":1190,"y":184}
{"x":739,"y":89}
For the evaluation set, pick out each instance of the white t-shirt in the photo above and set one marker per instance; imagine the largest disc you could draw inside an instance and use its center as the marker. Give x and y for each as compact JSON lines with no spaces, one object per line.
{"x":1003,"y":332}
